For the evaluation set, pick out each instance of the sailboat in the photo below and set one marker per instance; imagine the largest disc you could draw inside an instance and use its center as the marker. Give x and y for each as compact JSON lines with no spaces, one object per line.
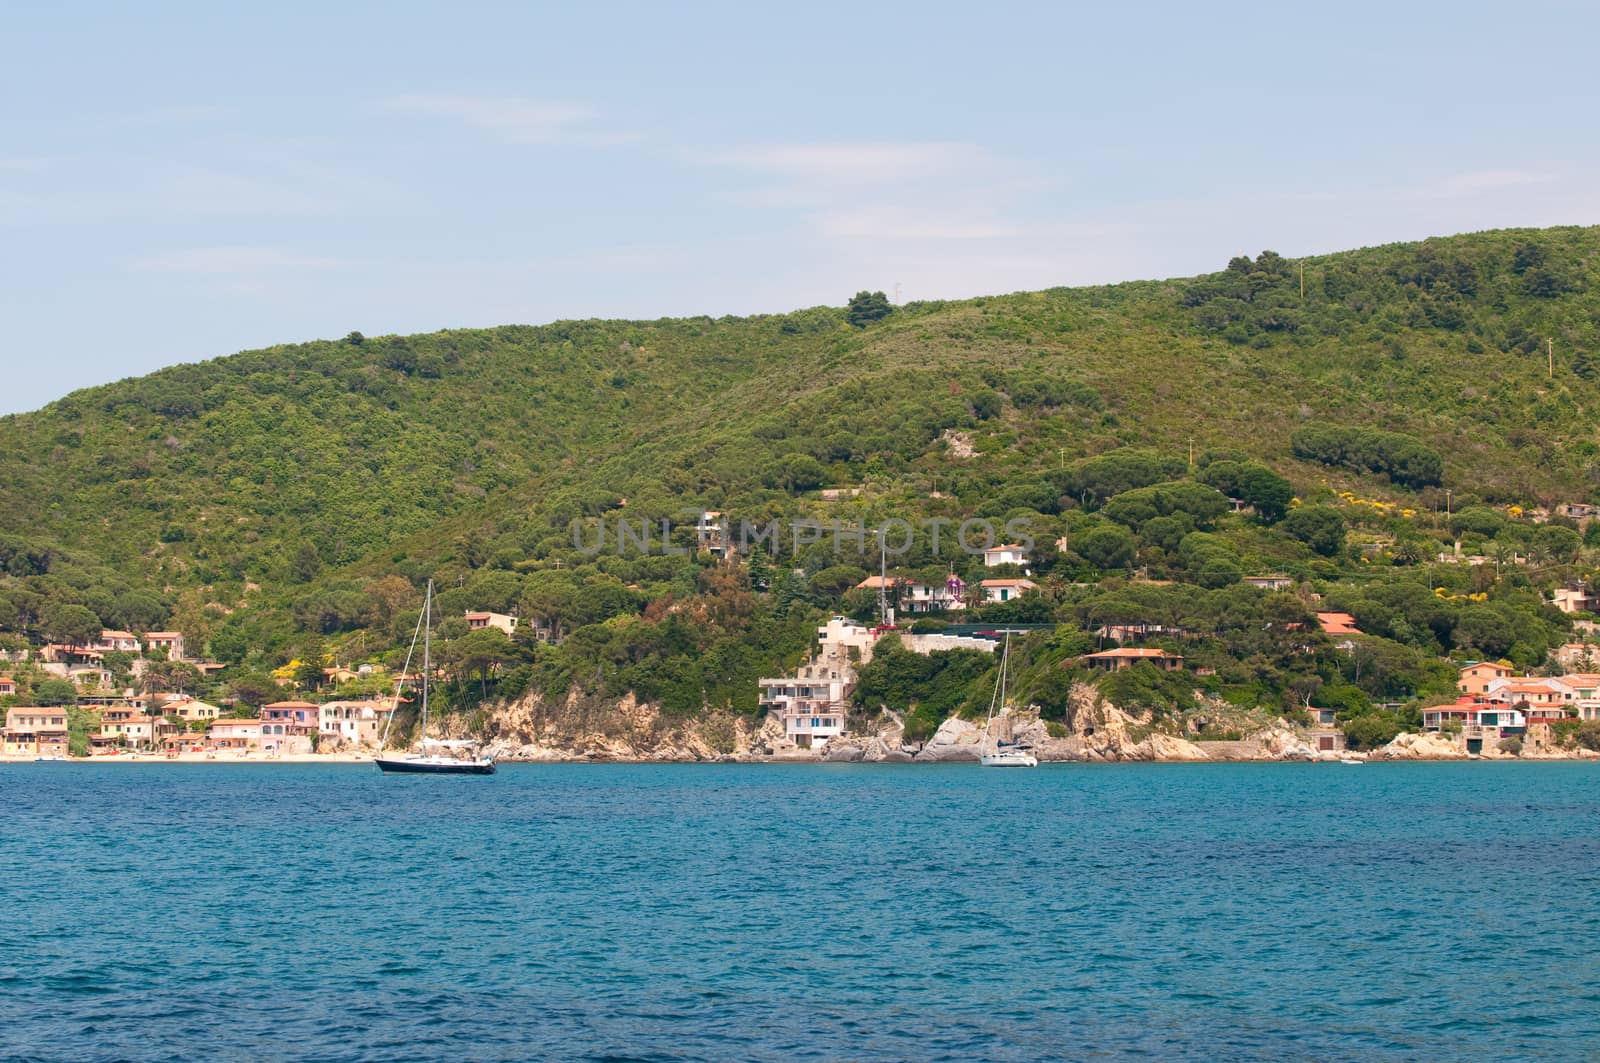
{"x":434,"y":756}
{"x":1000,"y":754}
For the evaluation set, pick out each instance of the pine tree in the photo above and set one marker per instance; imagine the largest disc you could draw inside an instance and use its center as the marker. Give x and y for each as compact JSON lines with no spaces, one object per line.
{"x":791,"y":589}
{"x":760,"y":571}
{"x":1583,"y":365}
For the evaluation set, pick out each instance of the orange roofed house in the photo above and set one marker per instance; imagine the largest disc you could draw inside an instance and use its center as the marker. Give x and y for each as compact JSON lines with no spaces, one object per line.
{"x":1476,"y":677}
{"x":1128,"y":656}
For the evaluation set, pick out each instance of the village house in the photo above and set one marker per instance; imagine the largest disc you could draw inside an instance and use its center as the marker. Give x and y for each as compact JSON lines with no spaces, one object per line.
{"x":117,"y":642}
{"x":1476,"y":677}
{"x":236,"y":735}
{"x":477,"y":620}
{"x":191,"y":709}
{"x":90,"y":677}
{"x":710,"y":535}
{"x":1577,"y":655}
{"x":287,"y":726}
{"x":1577,"y":510}
{"x":1128,"y":656}
{"x":1005,"y":554}
{"x":34,"y":732}
{"x":356,"y":723}
{"x":184,"y":741}
{"x":1522,"y":691}
{"x":1477,"y":721}
{"x":1004,"y":590}
{"x":64,"y":653}
{"x":1339,"y":626}
{"x":917,"y":597}
{"x":812,"y":702}
{"x":1324,"y":732}
{"x":1275,"y":581}
{"x":7,"y":685}
{"x":128,"y":728}
{"x":1574,"y":598}
{"x":171,"y":642}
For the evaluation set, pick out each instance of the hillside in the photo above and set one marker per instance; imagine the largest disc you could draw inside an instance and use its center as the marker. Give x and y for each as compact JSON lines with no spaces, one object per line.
{"x":286,"y":503}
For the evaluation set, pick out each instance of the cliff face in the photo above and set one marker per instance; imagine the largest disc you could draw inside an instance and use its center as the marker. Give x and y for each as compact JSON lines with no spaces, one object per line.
{"x":582,"y":728}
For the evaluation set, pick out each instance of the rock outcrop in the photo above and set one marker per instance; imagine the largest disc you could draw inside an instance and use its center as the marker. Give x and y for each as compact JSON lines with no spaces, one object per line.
{"x":1427,"y":746}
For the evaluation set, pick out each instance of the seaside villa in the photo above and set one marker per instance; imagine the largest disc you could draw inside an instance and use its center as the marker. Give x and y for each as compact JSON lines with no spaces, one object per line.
{"x":34,"y":732}
{"x":238,"y":735}
{"x":1128,"y":656}
{"x":357,"y":723}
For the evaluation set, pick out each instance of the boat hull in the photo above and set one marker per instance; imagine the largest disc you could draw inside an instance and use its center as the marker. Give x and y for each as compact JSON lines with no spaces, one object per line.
{"x":417,"y":766}
{"x":1009,"y":760}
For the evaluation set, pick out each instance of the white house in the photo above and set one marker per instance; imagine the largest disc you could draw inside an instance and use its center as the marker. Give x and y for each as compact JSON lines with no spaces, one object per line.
{"x":917,"y":597}
{"x":117,"y":642}
{"x":358,"y":723}
{"x":1004,"y":590}
{"x":812,"y":702}
{"x":1005,"y":554}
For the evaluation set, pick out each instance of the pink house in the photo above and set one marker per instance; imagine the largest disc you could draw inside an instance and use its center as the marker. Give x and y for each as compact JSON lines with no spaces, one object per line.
{"x":7,"y":685}
{"x":287,"y":726}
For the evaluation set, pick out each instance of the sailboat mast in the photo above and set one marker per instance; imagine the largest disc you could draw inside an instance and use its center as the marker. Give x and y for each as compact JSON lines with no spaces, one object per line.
{"x":427,"y":646}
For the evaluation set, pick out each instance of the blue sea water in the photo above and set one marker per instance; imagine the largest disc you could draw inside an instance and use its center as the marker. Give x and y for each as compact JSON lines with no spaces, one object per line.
{"x":632,"y":912}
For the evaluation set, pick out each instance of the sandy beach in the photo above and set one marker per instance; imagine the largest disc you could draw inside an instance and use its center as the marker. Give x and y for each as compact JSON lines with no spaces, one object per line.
{"x":208,"y":758}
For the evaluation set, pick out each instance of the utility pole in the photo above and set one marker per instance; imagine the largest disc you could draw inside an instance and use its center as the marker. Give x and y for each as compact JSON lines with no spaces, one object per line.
{"x":896,"y":293}
{"x":1191,"y":452}
{"x":1550,"y":355}
{"x":1302,"y":284}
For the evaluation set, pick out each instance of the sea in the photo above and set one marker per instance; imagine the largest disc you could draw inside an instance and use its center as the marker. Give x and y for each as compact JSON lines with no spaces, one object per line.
{"x":800,"y":912}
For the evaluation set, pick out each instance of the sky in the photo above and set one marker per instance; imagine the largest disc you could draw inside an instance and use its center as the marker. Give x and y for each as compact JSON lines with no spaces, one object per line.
{"x":183,"y":181}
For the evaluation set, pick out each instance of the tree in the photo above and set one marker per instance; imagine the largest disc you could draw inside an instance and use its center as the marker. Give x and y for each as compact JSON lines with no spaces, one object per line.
{"x":306,"y":563}
{"x":760,"y":572}
{"x":1107,"y":546}
{"x":55,"y":692}
{"x":1319,"y":527}
{"x":986,"y":405}
{"x":481,"y":651}
{"x":1583,"y":365}
{"x":72,"y":624}
{"x":866,"y":307}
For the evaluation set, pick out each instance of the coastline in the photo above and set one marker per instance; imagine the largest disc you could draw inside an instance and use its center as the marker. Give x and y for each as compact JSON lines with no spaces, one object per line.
{"x":1375,"y":757}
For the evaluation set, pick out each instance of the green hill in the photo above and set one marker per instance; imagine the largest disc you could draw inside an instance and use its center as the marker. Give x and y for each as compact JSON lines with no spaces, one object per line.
{"x":285,"y":503}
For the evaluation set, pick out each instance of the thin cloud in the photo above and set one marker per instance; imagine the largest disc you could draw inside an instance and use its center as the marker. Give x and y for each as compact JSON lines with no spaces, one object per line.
{"x":221,"y":261}
{"x":21,"y":165}
{"x":897,"y":223}
{"x":849,"y":164}
{"x":517,"y":120}
{"x":1469,"y":184}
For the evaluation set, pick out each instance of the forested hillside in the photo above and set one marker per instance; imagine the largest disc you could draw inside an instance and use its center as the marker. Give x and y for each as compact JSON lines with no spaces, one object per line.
{"x":285,"y":505}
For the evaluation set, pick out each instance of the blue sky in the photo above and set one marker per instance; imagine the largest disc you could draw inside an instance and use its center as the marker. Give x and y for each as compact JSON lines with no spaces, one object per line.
{"x":181,"y":181}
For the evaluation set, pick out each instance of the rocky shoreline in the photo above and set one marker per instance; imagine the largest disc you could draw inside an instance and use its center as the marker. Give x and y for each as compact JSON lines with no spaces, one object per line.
{"x":582,"y":730}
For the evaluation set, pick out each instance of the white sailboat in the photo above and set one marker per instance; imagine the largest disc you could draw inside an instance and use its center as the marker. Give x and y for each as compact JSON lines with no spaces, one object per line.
{"x":433,"y":756}
{"x":996,"y":754}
